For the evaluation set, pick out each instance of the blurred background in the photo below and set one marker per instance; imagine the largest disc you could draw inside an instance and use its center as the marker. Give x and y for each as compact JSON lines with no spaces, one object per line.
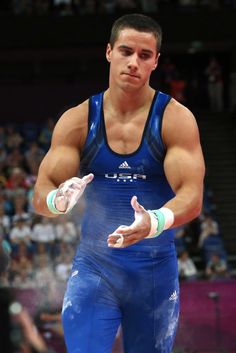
{"x":52,"y":57}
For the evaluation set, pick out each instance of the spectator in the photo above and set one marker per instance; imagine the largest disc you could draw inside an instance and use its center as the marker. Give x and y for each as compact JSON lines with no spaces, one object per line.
{"x":44,"y":232}
{"x":180,"y":245}
{"x":6,"y":203}
{"x":46,"y":134}
{"x":53,"y":320}
{"x":23,"y":277}
{"x":20,"y":205}
{"x":16,"y":181}
{"x":149,"y":6}
{"x":215,"y":85}
{"x":13,"y":138}
{"x":2,"y":180}
{"x":23,"y":253}
{"x":41,"y":253}
{"x":186,"y":266}
{"x":65,"y":230}
{"x":63,"y":7}
{"x":5,"y":221}
{"x":63,"y":268}
{"x":63,"y":248}
{"x":187,"y":4}
{"x":3,"y":158}
{"x":211,"y":4}
{"x":29,"y":196}
{"x":127,"y":5}
{"x":44,"y":275}
{"x":167,"y":72}
{"x":108,"y":6}
{"x":21,"y":262}
{"x":17,"y":330}
{"x":22,"y":7}
{"x":177,"y":87}
{"x":216,"y":267}
{"x":34,"y":156}
{"x":2,"y":137}
{"x":5,"y":251}
{"x":15,"y":159}
{"x":208,"y":227}
{"x":20,"y":233}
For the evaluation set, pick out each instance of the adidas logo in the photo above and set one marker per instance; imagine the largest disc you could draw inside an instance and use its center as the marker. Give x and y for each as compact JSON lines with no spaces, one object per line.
{"x":174,"y":296}
{"x":124,"y":165}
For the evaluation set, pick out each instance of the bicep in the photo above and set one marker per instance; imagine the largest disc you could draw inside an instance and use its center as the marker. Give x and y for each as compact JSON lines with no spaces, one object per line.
{"x":184,"y":162}
{"x":63,"y":158}
{"x":184,"y":168}
{"x":59,"y":164}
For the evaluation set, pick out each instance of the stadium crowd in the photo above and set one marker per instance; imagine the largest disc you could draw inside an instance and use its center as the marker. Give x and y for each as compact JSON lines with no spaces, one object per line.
{"x":42,"y":249}
{"x":83,"y":7}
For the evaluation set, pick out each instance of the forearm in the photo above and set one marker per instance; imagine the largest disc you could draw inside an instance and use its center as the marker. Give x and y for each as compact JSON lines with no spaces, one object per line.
{"x":186,"y":205}
{"x":39,"y":199}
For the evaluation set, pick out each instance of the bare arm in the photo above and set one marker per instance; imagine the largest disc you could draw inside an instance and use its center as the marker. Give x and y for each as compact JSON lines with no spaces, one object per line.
{"x":63,"y":158}
{"x":184,"y":169}
{"x":184,"y":164}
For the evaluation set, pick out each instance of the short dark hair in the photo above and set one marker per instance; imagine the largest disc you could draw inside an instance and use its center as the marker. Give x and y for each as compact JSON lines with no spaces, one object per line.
{"x":139,"y":22}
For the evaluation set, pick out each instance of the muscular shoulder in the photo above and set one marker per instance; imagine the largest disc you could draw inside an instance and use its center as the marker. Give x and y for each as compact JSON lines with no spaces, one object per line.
{"x":71,"y":128}
{"x":179,"y":124}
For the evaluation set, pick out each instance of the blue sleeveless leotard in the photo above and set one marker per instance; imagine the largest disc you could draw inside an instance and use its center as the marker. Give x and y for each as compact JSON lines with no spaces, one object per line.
{"x":137,"y":286}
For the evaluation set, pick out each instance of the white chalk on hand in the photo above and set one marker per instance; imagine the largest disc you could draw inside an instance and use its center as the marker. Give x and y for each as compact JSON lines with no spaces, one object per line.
{"x":119,"y":242}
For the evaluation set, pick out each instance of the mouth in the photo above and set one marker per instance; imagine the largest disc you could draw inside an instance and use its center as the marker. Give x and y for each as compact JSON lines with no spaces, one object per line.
{"x":130,"y":75}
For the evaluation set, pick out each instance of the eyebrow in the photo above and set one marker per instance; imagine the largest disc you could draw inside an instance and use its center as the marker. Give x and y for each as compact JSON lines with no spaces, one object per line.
{"x":148,"y":51}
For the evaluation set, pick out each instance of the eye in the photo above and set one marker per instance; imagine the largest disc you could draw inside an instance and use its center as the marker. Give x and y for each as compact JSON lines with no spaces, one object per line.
{"x":126,"y":52}
{"x":145,"y":56}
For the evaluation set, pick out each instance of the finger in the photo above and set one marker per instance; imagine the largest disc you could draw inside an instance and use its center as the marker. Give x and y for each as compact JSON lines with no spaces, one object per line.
{"x":115,"y":241}
{"x":73,"y":183}
{"x":122,"y":230}
{"x":61,"y":203}
{"x":76,"y":183}
{"x":88,"y":178}
{"x":136,"y":205}
{"x":128,"y":230}
{"x":120,"y":241}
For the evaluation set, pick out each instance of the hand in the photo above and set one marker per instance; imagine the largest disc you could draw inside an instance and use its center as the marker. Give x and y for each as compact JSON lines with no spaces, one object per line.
{"x":30,"y":332}
{"x":124,"y":236}
{"x":70,"y":191}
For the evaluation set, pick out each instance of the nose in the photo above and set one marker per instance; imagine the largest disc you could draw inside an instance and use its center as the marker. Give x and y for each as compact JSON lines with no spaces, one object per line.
{"x":133,"y":62}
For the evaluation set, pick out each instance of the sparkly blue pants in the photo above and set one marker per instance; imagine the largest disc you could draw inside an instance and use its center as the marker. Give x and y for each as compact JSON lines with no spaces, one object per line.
{"x":138,"y":290}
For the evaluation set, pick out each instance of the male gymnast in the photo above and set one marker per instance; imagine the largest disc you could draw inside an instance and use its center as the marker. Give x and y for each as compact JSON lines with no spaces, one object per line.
{"x":137,"y":153}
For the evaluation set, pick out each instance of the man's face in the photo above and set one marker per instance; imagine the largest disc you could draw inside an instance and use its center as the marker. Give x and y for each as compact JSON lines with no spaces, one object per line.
{"x":133,"y":58}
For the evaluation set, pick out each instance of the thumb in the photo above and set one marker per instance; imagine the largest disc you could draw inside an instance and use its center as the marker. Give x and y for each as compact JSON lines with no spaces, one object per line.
{"x":88,"y":178}
{"x":136,"y":205}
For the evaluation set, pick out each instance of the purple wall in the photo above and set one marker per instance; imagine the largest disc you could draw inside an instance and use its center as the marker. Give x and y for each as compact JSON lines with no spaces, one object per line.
{"x":200,"y":327}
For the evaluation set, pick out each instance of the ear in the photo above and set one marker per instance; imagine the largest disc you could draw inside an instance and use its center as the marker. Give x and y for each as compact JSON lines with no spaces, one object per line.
{"x":156,"y":61}
{"x":108,"y":52}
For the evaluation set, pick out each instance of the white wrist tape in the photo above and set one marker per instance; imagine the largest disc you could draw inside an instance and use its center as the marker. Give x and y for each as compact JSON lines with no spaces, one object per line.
{"x":51,"y":202}
{"x":154,"y":223}
{"x":161,"y":219}
{"x":169,"y":217}
{"x":67,"y":195}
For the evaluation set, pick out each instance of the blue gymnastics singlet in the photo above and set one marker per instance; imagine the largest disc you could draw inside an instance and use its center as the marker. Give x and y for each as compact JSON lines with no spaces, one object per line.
{"x":120,"y":176}
{"x":135,"y":287}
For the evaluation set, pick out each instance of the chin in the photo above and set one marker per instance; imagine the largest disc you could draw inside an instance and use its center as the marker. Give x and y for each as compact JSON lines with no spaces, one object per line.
{"x":130,"y":87}
{"x":126,"y":82}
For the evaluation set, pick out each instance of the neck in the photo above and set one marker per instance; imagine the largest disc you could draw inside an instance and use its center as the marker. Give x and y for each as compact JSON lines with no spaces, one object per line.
{"x":126,"y":102}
